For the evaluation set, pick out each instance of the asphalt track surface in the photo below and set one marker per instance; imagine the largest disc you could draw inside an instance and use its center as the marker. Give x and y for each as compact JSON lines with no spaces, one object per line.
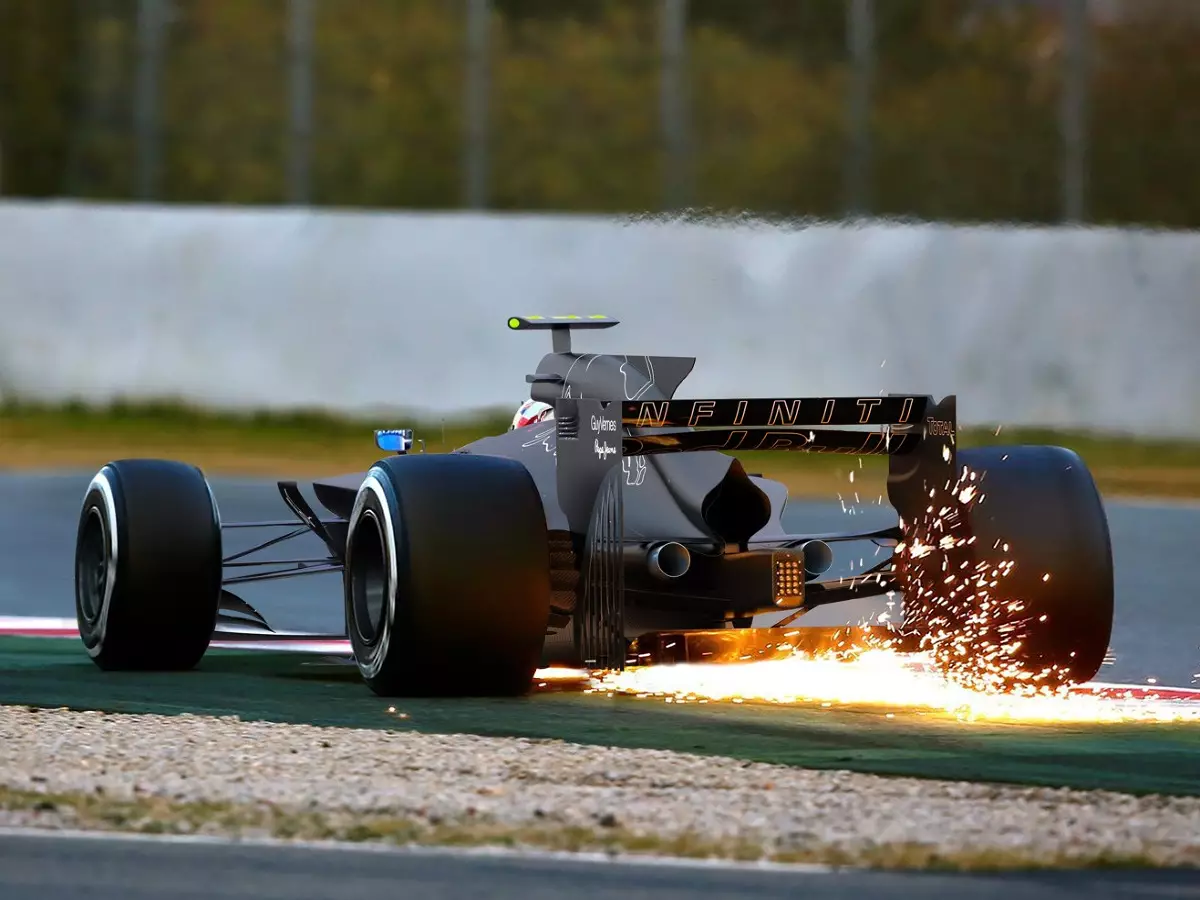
{"x":1156,"y":633}
{"x":44,"y":867}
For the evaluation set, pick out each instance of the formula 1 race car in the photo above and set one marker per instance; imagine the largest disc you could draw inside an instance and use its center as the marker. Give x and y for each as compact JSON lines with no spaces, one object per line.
{"x":582,"y":540}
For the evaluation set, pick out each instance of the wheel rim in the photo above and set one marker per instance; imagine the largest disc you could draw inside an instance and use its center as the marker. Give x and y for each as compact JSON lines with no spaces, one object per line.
{"x":92,"y":567}
{"x":368,"y":578}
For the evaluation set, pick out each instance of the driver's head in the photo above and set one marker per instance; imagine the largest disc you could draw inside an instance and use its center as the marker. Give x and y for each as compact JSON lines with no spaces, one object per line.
{"x":531,"y":412}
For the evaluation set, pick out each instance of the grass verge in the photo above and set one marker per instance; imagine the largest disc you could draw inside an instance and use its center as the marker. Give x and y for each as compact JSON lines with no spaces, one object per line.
{"x":308,"y":445}
{"x":156,"y":815}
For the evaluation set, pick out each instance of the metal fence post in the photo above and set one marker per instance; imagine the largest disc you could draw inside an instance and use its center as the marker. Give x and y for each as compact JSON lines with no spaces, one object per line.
{"x":151,"y":28}
{"x":301,"y":15}
{"x":860,"y":39}
{"x":1073,"y":122}
{"x":475,"y":105}
{"x":673,"y":105}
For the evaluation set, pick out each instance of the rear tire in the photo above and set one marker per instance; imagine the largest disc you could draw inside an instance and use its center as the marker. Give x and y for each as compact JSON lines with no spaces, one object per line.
{"x":447,"y":576}
{"x":147,"y":566}
{"x":1042,"y":503}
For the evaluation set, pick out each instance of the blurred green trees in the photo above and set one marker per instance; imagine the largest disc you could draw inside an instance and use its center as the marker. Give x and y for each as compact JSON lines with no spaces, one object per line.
{"x":964,"y":119}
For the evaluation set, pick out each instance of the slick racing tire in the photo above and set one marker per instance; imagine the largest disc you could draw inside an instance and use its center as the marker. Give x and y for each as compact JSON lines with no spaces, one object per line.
{"x":147,"y":566}
{"x":447,"y":576}
{"x":1030,"y":604}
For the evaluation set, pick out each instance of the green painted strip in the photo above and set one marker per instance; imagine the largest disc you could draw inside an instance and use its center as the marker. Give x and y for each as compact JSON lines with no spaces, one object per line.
{"x":1147,"y":758}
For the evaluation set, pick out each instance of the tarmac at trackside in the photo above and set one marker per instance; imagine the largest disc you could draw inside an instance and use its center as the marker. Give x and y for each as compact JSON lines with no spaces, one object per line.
{"x":57,"y":867}
{"x":1156,"y":633}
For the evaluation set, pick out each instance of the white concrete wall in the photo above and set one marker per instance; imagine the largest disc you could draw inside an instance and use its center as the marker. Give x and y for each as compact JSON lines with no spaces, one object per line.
{"x":351,"y":311}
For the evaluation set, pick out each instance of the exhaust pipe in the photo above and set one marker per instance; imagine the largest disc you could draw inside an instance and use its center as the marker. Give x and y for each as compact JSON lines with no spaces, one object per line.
{"x":668,"y":561}
{"x":818,"y":557}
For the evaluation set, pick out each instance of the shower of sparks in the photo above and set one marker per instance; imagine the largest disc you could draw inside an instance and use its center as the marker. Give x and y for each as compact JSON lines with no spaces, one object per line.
{"x":885,"y":680}
{"x":968,"y":665}
{"x":969,"y":624}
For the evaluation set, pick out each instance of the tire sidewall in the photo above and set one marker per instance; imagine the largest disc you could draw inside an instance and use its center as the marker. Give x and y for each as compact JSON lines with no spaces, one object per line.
{"x":104,"y":501}
{"x":151,"y":616}
{"x":464,"y":558}
{"x":375,"y":505}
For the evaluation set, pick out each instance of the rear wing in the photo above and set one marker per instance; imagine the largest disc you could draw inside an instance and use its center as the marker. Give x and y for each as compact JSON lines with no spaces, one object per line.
{"x":800,"y":423}
{"x":916,"y":432}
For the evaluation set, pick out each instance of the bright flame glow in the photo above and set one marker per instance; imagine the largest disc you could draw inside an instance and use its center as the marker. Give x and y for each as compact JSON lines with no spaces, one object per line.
{"x":883,"y":679}
{"x":561,"y":675}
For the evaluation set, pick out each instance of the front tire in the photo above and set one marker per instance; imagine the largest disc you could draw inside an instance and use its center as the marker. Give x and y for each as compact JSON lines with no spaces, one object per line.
{"x":147,"y":566}
{"x":447,"y":576}
{"x":1023,"y":595}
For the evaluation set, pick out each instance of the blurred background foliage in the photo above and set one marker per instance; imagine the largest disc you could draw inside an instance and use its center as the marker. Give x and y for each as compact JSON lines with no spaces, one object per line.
{"x":964,"y":121}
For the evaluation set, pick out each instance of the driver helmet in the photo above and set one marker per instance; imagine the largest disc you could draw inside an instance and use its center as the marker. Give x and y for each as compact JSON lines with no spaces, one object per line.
{"x":531,"y":412}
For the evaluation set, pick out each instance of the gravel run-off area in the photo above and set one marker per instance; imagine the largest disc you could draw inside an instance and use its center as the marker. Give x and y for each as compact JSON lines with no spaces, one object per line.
{"x":67,"y":769}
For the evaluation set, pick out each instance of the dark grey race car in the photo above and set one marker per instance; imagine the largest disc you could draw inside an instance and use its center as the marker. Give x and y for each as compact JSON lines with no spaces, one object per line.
{"x":583,"y":540}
